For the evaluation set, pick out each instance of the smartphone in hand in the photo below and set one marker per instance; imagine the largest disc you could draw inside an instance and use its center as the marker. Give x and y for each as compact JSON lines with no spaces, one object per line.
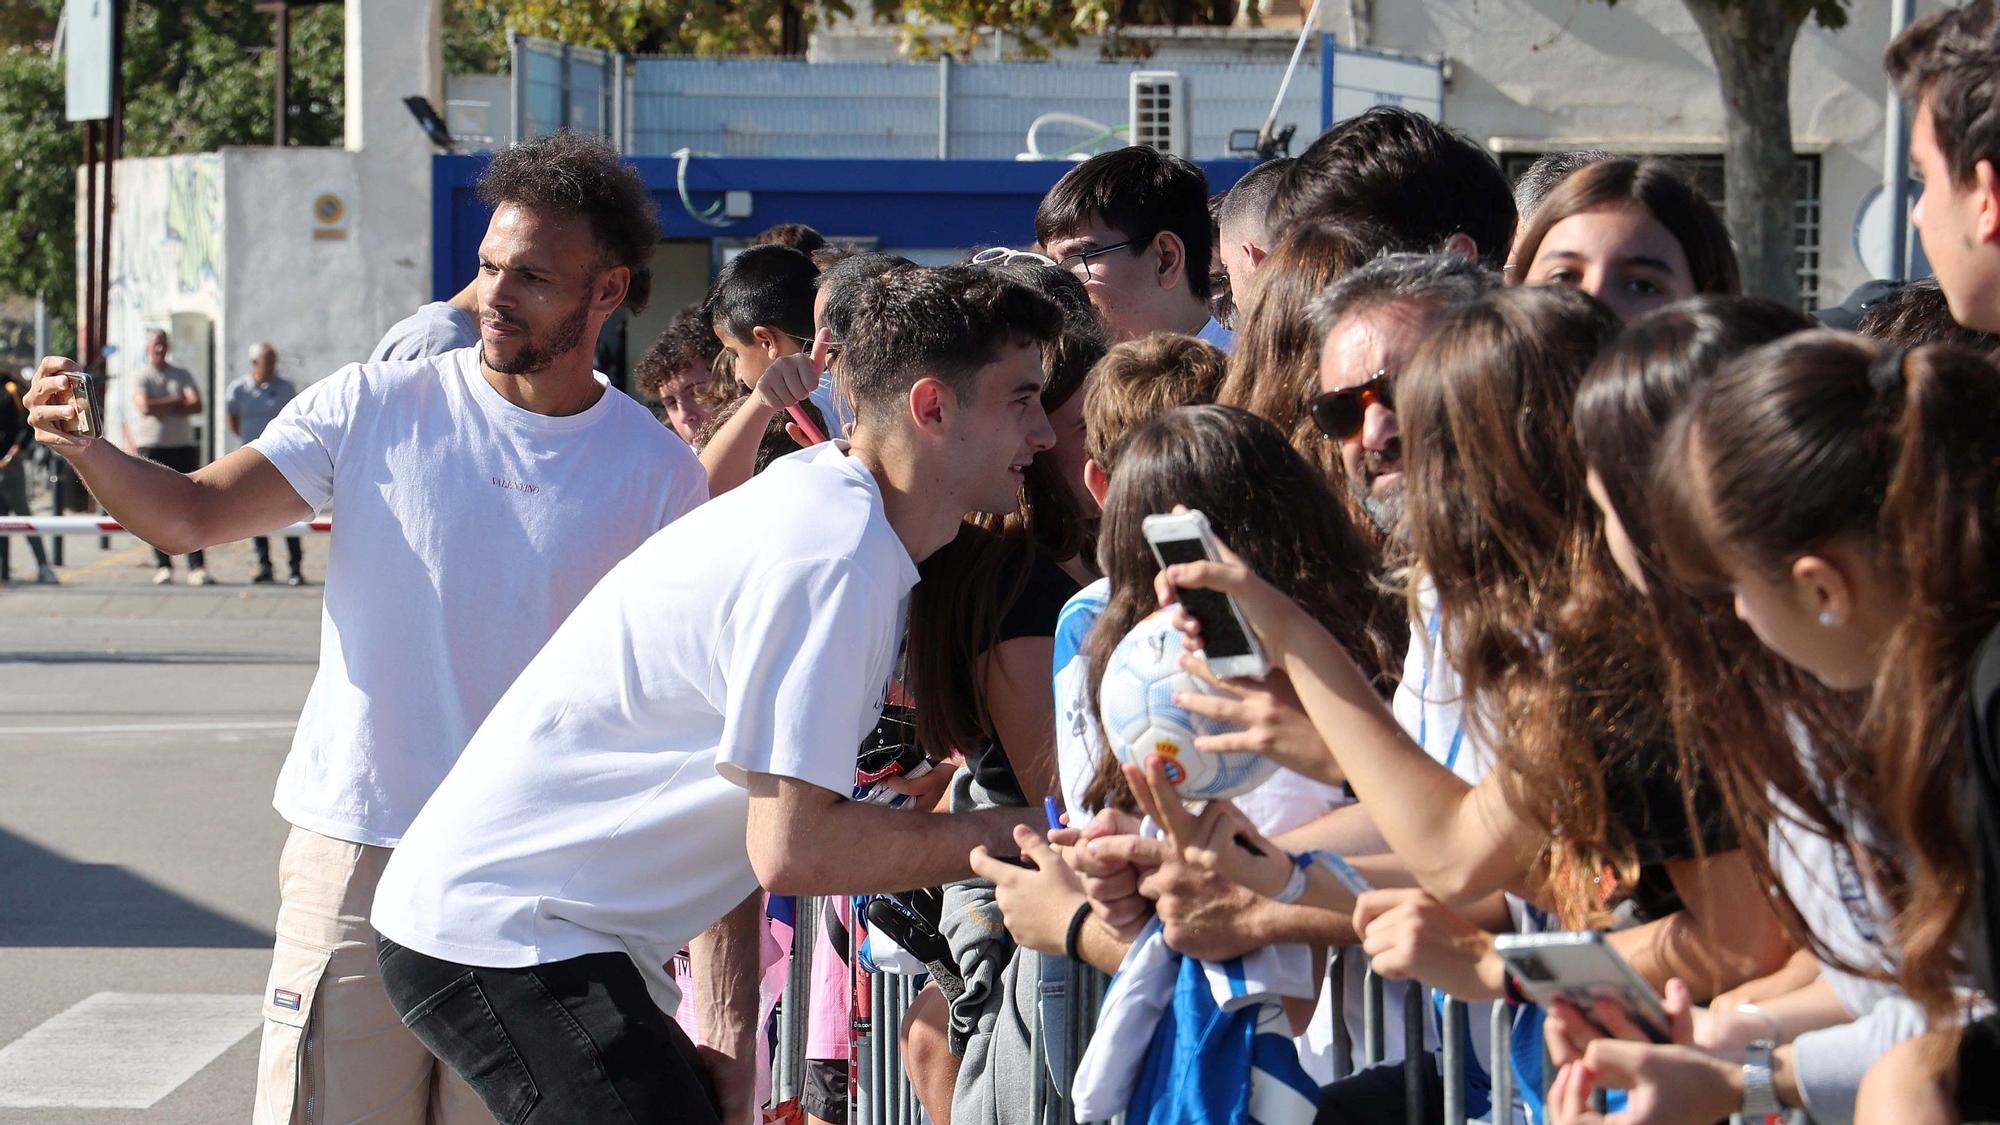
{"x":1228,"y":644}
{"x":1582,"y":968}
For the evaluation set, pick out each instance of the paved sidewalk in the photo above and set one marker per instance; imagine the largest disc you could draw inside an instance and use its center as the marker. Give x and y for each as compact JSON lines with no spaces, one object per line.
{"x":141,"y":731}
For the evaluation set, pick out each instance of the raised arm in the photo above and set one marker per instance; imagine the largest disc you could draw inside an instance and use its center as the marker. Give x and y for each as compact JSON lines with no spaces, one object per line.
{"x":241,"y":495}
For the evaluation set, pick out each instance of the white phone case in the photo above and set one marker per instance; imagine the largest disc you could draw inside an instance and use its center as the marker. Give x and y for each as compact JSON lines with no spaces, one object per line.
{"x":1181,"y":527}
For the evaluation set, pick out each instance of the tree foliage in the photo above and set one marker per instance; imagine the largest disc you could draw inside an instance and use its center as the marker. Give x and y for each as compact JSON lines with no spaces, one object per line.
{"x":198,"y":75}
{"x":476,"y":30}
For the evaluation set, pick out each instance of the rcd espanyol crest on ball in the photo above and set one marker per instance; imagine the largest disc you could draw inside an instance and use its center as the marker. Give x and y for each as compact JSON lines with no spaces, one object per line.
{"x":1136,"y":702}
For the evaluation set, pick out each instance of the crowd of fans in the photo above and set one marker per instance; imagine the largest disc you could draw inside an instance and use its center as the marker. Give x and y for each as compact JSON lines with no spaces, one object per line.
{"x":1597,"y":596}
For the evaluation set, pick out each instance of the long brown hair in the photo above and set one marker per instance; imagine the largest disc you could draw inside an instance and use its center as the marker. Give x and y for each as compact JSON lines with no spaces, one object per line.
{"x":967,"y":587}
{"x":1502,"y":530}
{"x":1733,"y":702}
{"x":1265,"y":502}
{"x":1659,"y":187}
{"x":1274,"y":365}
{"x":1826,"y":436}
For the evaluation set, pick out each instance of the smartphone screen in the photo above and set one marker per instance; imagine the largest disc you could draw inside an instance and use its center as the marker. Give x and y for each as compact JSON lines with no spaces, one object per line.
{"x":1221,"y":636}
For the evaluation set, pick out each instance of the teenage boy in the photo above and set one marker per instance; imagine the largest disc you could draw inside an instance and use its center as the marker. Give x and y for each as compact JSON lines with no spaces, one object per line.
{"x":1947,"y":65}
{"x":690,"y":734}
{"x":1133,"y":226}
{"x":1242,"y":225}
{"x":482,"y":493}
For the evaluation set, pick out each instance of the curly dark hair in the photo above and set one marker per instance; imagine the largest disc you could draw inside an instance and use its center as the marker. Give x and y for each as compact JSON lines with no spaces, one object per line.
{"x":689,"y":339}
{"x":571,"y":173}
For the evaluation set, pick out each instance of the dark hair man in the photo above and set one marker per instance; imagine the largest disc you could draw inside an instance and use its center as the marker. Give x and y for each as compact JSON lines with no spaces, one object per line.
{"x":796,"y":236}
{"x":1133,"y":226}
{"x":682,"y":742}
{"x":1242,"y":224}
{"x":167,"y":401}
{"x":1425,"y":185}
{"x":1948,"y":65}
{"x":481,"y":493}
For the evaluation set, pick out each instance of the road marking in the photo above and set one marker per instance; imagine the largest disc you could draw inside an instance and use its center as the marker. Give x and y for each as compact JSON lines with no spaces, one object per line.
{"x":122,"y":1050}
{"x":152,"y":728}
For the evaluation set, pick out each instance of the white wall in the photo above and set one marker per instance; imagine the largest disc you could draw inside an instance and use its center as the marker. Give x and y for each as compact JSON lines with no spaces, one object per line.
{"x":1638,"y":74}
{"x":168,"y":254}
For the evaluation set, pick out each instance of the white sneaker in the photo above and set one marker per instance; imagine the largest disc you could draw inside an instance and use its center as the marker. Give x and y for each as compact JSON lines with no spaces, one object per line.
{"x":46,"y":575}
{"x":163,"y":576}
{"x":199,"y":576}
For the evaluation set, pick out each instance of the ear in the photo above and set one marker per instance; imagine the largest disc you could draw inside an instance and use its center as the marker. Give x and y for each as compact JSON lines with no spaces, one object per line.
{"x":1171,"y":272}
{"x":1096,"y":482}
{"x":1461,"y":244}
{"x":930,"y":403}
{"x":770,"y":341}
{"x":1986,"y":186}
{"x":1255,"y":253}
{"x":609,"y":291}
{"x":1823,"y":589}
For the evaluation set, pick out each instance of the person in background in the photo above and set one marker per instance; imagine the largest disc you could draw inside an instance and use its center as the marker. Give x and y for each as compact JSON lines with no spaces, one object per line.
{"x":1133,"y":226}
{"x":1635,"y":234}
{"x":796,"y":236}
{"x":167,"y":401}
{"x":15,"y":437}
{"x":1541,"y":178}
{"x":1243,"y":227}
{"x":1427,"y":186}
{"x":252,"y":402}
{"x":675,"y":370}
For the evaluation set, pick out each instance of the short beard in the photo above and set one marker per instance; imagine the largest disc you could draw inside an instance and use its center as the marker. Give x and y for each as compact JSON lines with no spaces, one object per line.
{"x":567,"y":334}
{"x":1383,"y":508}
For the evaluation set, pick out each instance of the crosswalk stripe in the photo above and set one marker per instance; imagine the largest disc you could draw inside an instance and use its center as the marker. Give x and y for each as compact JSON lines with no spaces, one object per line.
{"x":122,"y":1050}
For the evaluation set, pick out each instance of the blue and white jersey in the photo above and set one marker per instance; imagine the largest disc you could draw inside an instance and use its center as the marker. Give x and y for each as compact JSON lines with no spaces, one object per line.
{"x":1076,"y":727}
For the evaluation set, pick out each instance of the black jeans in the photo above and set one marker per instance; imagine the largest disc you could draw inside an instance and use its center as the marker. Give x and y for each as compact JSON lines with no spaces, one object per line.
{"x":181,"y":459}
{"x":294,"y":551}
{"x":574,"y":1041}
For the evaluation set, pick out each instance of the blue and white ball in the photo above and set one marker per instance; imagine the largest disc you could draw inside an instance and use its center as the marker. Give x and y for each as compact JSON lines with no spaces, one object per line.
{"x":1136,"y":703}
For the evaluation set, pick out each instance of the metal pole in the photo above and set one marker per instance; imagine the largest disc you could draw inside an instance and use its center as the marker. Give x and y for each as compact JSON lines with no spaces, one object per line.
{"x":1896,"y":159}
{"x":1500,"y":1027}
{"x":1343,"y":1040}
{"x":1372,"y":1047}
{"x":282,"y":88}
{"x":944,"y":107}
{"x":1415,"y":997}
{"x":1452,"y":1032}
{"x":516,"y":57}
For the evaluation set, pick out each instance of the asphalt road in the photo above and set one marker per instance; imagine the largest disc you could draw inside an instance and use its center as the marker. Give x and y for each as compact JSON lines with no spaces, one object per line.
{"x":141,"y":730}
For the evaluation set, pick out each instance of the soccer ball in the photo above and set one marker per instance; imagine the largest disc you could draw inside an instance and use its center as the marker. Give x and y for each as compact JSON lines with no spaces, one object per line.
{"x":1136,"y":703}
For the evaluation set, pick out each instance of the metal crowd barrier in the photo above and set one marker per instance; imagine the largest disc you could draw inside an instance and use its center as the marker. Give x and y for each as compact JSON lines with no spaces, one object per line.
{"x":881,"y":1094}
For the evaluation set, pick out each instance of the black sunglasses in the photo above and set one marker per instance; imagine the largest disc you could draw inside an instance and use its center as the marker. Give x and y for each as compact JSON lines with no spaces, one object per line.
{"x":1340,"y":414}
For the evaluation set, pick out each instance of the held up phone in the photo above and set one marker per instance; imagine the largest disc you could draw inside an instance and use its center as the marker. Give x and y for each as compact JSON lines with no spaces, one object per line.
{"x":1227,"y":642}
{"x":1582,"y":968}
{"x":85,"y":394}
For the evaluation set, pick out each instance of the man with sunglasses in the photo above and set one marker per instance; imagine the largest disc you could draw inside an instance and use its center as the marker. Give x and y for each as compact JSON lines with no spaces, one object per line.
{"x":1368,"y":323}
{"x":1133,"y":226}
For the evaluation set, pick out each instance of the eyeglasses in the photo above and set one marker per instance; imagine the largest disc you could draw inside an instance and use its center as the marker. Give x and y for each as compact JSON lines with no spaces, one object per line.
{"x":1340,"y":414}
{"x":1001,"y":255}
{"x":1079,"y":262}
{"x":806,"y":345}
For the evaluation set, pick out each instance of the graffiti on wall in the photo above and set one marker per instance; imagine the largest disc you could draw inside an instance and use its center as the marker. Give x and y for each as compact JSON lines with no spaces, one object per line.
{"x":194,"y":221}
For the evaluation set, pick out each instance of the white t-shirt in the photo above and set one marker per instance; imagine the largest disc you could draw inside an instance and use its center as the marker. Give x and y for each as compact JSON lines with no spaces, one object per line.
{"x":600,"y":808}
{"x":468,"y":528}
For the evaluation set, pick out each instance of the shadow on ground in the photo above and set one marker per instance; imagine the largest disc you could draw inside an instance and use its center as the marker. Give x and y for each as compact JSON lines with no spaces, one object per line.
{"x":48,"y":899}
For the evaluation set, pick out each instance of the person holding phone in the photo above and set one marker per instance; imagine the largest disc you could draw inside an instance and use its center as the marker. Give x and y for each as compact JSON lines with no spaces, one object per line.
{"x":520,"y":477}
{"x":690,"y":734}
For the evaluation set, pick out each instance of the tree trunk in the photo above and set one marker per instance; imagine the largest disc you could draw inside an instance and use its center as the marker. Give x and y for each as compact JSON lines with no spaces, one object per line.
{"x":1751,"y":42}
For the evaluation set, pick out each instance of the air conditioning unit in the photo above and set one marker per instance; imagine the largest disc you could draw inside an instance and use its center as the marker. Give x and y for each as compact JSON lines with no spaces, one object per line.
{"x":1157,"y":100}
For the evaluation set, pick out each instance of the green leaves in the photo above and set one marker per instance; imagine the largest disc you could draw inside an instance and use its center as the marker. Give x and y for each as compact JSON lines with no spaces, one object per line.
{"x":198,"y":76}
